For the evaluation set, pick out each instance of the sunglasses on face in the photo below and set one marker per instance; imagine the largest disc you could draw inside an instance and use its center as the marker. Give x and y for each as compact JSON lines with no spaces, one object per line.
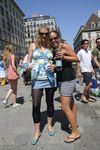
{"x":42,"y":33}
{"x":98,"y":42}
{"x":54,"y":38}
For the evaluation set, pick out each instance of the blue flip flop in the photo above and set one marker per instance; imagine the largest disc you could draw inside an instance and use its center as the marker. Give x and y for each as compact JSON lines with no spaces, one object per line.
{"x":34,"y":141}
{"x":51,"y":133}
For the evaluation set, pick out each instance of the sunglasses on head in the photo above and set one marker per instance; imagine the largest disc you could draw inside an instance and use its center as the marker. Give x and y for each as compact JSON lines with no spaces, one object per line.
{"x":43,"y":33}
{"x":86,"y":43}
{"x":54,"y":38}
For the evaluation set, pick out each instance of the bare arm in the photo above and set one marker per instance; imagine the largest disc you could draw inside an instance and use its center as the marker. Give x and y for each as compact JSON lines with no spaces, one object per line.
{"x":78,"y":70}
{"x":13,"y":64}
{"x":96,"y":61}
{"x":31,"y":49}
{"x":67,"y":53}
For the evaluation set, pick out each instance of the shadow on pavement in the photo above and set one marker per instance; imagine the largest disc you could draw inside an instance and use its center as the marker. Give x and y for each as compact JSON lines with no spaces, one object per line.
{"x":58,"y":117}
{"x":78,"y":96}
{"x":20,"y":100}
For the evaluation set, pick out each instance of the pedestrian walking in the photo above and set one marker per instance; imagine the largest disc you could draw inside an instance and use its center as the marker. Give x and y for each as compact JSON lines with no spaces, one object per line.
{"x":42,"y":78}
{"x":84,"y":68}
{"x":13,"y":77}
{"x":64,"y":56}
{"x":96,"y":61}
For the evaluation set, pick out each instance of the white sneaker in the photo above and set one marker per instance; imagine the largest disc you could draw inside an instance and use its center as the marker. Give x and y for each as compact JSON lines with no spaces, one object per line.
{"x":5,"y":102}
{"x":16,"y":105}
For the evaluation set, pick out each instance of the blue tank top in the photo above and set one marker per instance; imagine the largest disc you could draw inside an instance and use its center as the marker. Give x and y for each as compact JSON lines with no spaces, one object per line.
{"x":40,"y":62}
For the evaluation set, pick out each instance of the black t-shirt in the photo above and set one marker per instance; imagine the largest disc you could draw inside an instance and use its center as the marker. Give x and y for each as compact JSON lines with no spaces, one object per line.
{"x":67,"y":73}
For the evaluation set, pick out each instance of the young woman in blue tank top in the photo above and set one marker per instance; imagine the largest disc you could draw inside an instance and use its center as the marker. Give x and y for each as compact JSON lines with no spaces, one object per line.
{"x":43,"y":77}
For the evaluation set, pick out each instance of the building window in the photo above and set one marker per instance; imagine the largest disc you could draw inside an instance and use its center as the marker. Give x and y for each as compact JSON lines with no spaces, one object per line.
{"x":28,"y":35}
{"x":13,"y":12}
{"x":20,"y":26}
{"x":11,"y":19}
{"x":0,"y":34}
{"x":1,"y":11}
{"x":89,"y":35}
{"x":10,"y":8}
{"x":98,"y":34}
{"x":16,"y":41}
{"x":93,"y":25}
{"x":3,"y":23}
{"x":8,"y":26}
{"x":5,"y":3}
{"x":13,"y":39}
{"x":14,"y":22}
{"x":90,"y":41}
{"x":7,"y":15}
{"x":15,"y":31}
{"x":19,"y":33}
{"x":12,"y":29}
{"x":98,"y":24}
{"x":4,"y":35}
{"x":16,"y":15}
{"x":9,"y":37}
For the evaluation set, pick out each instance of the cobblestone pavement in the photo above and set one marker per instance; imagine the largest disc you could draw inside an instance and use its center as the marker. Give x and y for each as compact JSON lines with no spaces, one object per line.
{"x":16,"y":125}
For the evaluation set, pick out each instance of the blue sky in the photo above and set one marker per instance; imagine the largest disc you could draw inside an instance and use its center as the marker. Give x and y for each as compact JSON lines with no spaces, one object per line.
{"x":69,"y":14}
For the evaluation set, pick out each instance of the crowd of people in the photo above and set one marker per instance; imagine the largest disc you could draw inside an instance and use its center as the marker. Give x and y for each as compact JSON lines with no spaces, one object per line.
{"x":49,"y":63}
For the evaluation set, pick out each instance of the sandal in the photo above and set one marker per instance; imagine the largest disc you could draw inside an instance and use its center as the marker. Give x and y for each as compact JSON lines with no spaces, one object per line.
{"x":83,"y":100}
{"x":35,"y":141}
{"x":71,"y":139}
{"x":51,"y":133}
{"x":91,"y":100}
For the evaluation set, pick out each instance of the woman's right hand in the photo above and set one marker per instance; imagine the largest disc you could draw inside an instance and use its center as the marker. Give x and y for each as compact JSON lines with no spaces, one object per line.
{"x":60,"y":54}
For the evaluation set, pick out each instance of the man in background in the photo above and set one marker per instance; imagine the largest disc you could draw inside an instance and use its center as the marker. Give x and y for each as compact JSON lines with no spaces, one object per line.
{"x":96,"y":60}
{"x":84,"y":68}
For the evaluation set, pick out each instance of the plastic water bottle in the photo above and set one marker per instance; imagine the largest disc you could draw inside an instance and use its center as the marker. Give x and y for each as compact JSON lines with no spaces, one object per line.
{"x":58,"y":61}
{"x":94,"y":82}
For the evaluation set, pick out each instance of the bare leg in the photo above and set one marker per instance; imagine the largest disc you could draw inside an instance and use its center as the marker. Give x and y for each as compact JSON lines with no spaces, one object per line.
{"x":73,"y":108}
{"x":13,"y":84}
{"x":9,"y":93}
{"x":86,"y":91}
{"x":69,"y":109}
{"x":49,"y":124}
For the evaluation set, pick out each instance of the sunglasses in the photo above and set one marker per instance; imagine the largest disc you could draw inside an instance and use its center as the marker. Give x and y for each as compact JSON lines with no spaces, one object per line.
{"x":42,"y":33}
{"x":86,"y":43}
{"x":54,"y":38}
{"x":98,"y":42}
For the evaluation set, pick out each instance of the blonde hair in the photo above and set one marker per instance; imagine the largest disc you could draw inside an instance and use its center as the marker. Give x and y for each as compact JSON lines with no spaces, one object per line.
{"x":38,"y":39}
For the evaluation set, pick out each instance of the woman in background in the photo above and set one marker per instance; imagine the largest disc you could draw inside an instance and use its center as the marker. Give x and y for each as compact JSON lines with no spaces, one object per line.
{"x":13,"y":77}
